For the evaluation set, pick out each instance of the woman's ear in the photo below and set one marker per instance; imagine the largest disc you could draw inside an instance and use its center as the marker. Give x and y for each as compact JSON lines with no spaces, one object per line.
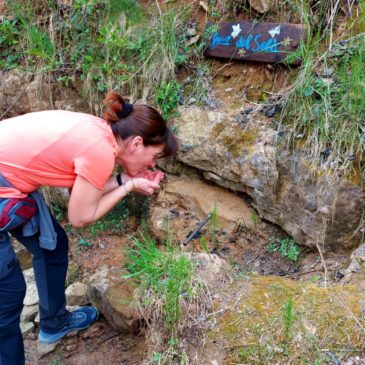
{"x":137,"y":142}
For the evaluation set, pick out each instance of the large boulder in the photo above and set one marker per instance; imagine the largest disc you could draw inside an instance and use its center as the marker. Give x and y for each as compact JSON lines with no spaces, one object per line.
{"x":315,"y":208}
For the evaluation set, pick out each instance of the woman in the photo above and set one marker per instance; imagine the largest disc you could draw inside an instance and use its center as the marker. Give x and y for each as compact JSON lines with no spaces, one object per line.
{"x":78,"y":151}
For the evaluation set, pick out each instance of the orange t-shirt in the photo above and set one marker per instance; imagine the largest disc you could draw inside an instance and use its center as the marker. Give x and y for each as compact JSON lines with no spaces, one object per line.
{"x":52,"y":147}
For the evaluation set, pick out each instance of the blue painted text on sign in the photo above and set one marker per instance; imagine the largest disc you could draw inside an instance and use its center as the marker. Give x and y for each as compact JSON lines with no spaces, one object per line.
{"x":250,"y":43}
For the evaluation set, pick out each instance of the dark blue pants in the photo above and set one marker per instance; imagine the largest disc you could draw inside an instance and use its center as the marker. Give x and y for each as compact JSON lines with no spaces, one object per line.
{"x":50,"y":269}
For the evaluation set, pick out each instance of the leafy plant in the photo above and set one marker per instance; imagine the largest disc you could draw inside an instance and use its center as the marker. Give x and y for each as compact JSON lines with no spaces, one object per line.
{"x":58,"y":211}
{"x":9,"y":38}
{"x":85,"y":243}
{"x":285,"y":246}
{"x":167,"y":98}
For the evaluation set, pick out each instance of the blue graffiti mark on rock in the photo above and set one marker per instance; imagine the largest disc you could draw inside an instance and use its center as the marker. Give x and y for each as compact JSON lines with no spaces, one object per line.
{"x":250,"y":43}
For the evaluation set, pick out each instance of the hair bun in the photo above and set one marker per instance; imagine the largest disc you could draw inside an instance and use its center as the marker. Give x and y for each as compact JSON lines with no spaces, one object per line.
{"x":125,"y":111}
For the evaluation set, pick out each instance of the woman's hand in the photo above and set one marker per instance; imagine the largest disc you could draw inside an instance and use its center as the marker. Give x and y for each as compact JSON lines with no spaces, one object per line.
{"x":155,"y":176}
{"x":141,"y":185}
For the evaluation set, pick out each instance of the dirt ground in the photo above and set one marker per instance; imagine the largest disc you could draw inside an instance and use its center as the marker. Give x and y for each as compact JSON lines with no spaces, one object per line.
{"x":100,"y":344}
{"x":245,"y":249}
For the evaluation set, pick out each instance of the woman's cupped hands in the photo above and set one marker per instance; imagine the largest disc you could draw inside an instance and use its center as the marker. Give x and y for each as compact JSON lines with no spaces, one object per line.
{"x":145,"y":182}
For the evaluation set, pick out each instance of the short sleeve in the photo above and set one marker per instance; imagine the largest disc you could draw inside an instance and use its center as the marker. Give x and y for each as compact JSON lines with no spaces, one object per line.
{"x":96,"y":164}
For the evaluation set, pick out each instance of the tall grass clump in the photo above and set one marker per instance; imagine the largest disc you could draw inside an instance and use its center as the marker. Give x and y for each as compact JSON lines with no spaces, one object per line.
{"x":323,"y":111}
{"x":288,"y":318}
{"x":168,"y":293}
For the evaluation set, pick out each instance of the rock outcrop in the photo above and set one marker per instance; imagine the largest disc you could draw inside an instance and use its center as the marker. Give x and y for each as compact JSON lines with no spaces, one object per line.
{"x":313,"y":207}
{"x":183,"y":199}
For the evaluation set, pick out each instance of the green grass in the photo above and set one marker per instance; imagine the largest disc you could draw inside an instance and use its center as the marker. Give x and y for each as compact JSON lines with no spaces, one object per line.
{"x":287,"y":322}
{"x":255,"y":217}
{"x":288,"y":318}
{"x":203,"y":244}
{"x":163,"y":271}
{"x":112,"y":223}
{"x":109,"y":44}
{"x":167,"y":287}
{"x":213,"y":227}
{"x":324,"y":108}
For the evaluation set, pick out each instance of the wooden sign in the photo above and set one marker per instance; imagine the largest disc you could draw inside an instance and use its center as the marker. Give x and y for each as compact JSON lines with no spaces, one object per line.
{"x":264,"y":42}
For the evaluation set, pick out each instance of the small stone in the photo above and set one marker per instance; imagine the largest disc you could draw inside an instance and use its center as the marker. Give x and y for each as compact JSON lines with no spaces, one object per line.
{"x":71,"y":347}
{"x":277,"y":349}
{"x":359,"y":253}
{"x":270,"y":112}
{"x":327,"y":72}
{"x":45,"y":348}
{"x":326,"y":152}
{"x":191,"y":32}
{"x":76,"y":294}
{"x":26,"y":327}
{"x":29,"y":313}
{"x":324,"y":210}
{"x":354,"y":267}
{"x":339,"y":275}
{"x":261,"y":6}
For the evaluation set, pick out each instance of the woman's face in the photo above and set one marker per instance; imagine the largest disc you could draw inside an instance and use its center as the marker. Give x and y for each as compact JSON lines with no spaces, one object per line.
{"x":134,"y":157}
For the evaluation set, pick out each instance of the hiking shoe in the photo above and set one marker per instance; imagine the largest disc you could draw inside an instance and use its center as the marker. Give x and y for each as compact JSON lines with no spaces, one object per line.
{"x":80,"y":319}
